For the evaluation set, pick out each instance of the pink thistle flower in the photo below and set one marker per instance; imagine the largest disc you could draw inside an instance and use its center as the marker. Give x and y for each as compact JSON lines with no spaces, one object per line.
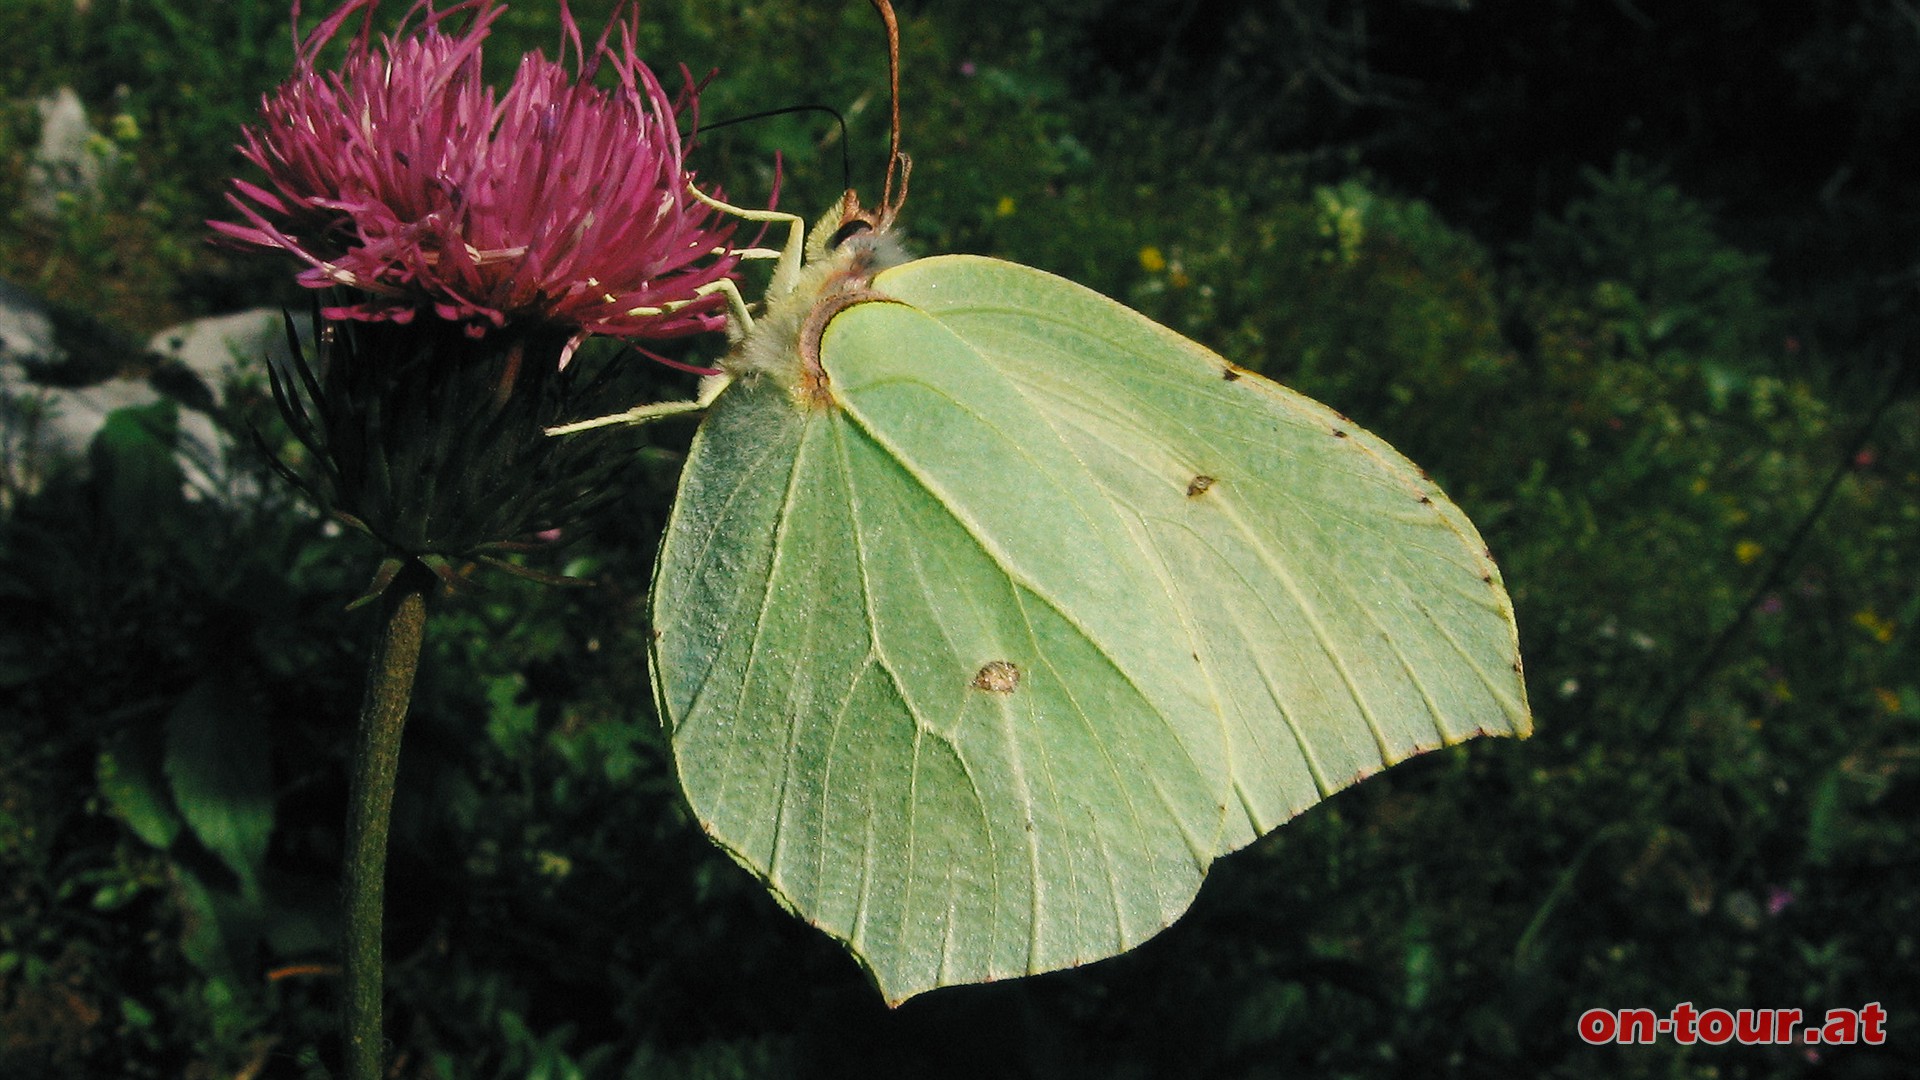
{"x":560,"y":204}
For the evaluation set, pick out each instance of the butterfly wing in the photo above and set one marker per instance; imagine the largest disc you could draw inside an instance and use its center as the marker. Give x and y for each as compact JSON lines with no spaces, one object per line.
{"x":980,"y":665}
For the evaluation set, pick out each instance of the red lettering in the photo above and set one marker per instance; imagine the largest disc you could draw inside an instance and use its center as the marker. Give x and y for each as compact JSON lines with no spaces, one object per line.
{"x":1751,"y":1027}
{"x":1873,"y":1021}
{"x":1597,"y":1026}
{"x":1638,"y":1026}
{"x":1683,"y":1020}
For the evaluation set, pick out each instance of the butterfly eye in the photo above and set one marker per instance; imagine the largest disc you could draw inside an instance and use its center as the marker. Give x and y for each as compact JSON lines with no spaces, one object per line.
{"x":848,"y":231}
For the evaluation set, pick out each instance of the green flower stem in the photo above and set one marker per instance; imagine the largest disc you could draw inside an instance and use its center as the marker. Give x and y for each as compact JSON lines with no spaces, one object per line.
{"x":383,"y":713}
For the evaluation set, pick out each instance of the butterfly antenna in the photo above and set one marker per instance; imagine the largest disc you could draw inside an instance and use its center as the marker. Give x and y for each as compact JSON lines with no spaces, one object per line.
{"x":885,"y":8}
{"x":846,"y":163}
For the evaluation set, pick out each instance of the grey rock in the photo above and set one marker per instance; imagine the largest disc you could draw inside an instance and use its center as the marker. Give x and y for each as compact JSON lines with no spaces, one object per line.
{"x":74,"y":416}
{"x":26,"y":333}
{"x":219,"y":346}
{"x":46,"y":428}
{"x":70,"y":157}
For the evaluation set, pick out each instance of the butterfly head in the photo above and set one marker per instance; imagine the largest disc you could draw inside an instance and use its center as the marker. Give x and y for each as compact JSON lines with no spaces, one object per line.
{"x":861,"y":235}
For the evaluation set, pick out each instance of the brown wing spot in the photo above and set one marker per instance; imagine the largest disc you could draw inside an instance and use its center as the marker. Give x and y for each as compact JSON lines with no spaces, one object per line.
{"x":1231,"y":373}
{"x":1338,"y":434}
{"x":997,"y":677}
{"x":1426,"y":500}
{"x":1198,"y":486}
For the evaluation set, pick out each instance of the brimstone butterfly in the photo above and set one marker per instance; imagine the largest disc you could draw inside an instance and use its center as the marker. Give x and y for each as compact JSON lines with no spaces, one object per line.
{"x":990,"y":612}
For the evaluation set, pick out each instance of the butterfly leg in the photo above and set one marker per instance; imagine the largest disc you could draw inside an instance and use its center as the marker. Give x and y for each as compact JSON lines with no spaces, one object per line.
{"x":786,"y":268}
{"x":786,"y":271}
{"x":710,"y":388}
{"x":739,"y":322}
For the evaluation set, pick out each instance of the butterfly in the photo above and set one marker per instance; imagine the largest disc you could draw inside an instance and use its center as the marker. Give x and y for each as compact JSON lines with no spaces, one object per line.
{"x":991,"y":612}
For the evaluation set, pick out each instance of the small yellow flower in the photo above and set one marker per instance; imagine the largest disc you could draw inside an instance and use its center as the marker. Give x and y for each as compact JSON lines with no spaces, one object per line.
{"x":1869,"y":620}
{"x":1781,"y":691}
{"x":1151,"y":260}
{"x":1005,"y":208}
{"x":1888,"y":700}
{"x":1179,"y":279}
{"x":1746,"y":551}
{"x":1700,"y":485}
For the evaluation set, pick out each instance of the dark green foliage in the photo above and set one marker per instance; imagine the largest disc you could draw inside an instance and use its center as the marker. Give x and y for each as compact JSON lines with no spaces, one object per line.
{"x":166,"y":84}
{"x":1636,"y":407}
{"x":166,"y":663}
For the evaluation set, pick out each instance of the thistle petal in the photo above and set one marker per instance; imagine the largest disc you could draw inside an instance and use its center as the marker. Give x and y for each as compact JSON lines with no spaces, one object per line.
{"x":558,"y":203}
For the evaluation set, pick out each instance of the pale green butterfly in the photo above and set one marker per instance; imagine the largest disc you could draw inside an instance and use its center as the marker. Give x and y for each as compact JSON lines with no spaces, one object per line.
{"x":990,"y":612}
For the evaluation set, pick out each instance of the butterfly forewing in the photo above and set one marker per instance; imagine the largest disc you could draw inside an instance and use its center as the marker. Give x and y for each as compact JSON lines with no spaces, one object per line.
{"x":981,"y":658}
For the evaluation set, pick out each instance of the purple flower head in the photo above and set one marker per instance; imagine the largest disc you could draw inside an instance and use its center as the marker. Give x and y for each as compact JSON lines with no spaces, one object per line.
{"x":562,"y":204}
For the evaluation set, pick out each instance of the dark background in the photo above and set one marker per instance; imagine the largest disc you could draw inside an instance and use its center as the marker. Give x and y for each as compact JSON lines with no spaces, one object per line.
{"x":1636,"y":282}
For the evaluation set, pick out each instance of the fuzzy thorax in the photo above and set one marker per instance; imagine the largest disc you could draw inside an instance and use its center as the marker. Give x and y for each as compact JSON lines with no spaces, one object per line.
{"x":844,"y":252}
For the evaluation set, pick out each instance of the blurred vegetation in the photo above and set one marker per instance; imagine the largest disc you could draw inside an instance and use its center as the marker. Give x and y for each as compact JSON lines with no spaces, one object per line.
{"x":1640,"y":358}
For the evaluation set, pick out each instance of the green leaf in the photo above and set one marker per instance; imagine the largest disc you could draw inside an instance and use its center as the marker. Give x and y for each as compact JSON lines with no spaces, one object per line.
{"x":133,"y":455}
{"x":981,"y":654}
{"x":201,"y":938}
{"x":220,"y":770}
{"x":128,"y":773}
{"x":513,"y":725}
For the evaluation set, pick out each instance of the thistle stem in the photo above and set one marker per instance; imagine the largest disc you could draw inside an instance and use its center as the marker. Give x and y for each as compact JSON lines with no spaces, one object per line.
{"x":394,"y":660}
